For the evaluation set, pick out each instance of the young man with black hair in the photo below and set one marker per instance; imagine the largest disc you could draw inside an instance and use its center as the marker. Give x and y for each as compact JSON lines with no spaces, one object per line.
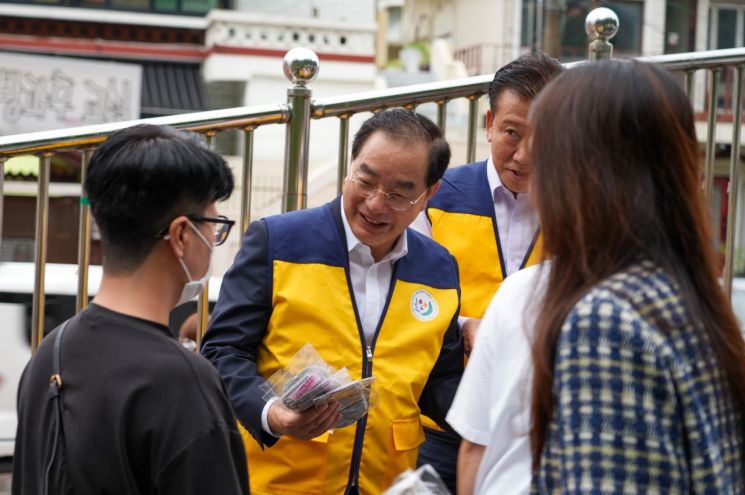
{"x":139,"y":413}
{"x":369,"y":294}
{"x":481,"y":214}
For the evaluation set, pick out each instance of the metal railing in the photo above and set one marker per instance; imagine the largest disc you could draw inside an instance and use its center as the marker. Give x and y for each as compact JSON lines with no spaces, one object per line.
{"x":301,"y":67}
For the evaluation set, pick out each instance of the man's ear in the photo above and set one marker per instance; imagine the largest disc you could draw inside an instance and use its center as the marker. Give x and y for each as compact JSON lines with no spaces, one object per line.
{"x":176,"y":234}
{"x":489,"y":122}
{"x":433,"y":190}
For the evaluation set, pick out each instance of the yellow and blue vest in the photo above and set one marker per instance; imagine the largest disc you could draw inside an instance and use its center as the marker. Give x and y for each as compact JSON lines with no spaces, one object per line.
{"x":462,"y":218}
{"x":313,"y":302}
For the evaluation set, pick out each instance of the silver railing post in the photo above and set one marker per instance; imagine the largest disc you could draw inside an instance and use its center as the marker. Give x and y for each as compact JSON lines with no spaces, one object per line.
{"x":343,"y":151}
{"x":734,"y":181}
{"x":442,"y":114}
{"x":84,"y":236}
{"x":300,"y":67}
{"x":2,"y":191}
{"x":473,"y":122}
{"x":40,"y":250}
{"x":689,"y":75}
{"x":203,"y":300}
{"x":711,"y":131}
{"x":248,"y":160}
{"x":601,"y":25}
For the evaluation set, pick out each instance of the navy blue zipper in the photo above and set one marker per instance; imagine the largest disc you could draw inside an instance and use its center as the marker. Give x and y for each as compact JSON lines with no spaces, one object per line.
{"x":367,"y":364}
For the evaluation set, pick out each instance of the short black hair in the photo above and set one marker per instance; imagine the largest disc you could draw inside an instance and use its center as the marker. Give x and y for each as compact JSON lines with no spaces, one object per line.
{"x":140,"y":179}
{"x":525,"y":76}
{"x":407,"y":125}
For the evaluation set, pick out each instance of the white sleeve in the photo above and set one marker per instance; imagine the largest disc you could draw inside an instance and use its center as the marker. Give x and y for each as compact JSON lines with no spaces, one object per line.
{"x":469,"y":414}
{"x":421,"y":224}
{"x":265,"y":417}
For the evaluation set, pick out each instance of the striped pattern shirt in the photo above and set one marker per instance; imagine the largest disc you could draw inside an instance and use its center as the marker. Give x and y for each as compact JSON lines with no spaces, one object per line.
{"x":641,"y":404}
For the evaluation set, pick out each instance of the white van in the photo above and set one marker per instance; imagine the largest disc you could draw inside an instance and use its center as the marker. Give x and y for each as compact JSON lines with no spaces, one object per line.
{"x":16,"y":296}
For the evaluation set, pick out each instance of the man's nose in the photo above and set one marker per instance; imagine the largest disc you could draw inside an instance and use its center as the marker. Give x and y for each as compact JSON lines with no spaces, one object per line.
{"x":378,"y":201}
{"x":522,"y":153}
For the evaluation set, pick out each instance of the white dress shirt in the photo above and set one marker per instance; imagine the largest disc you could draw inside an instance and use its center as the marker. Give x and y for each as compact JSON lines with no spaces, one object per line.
{"x":498,"y":416}
{"x":516,"y":221}
{"x":371,"y":282}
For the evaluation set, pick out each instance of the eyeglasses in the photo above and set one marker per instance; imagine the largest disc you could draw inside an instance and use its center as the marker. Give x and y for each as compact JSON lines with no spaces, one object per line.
{"x":395,"y":200}
{"x":221,"y":229}
{"x":222,"y":226}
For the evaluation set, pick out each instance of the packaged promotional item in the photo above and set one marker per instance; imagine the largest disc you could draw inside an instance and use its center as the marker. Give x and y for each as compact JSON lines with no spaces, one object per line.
{"x":354,"y":400}
{"x":423,"y":481}
{"x":309,"y":381}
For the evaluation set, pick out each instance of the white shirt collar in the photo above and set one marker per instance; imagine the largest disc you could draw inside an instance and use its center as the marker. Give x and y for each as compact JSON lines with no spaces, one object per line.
{"x":400,"y":248}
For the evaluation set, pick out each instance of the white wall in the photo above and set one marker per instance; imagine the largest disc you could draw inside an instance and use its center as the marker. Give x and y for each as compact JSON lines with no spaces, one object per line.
{"x":493,"y":23}
{"x":653,"y":29}
{"x":345,"y":10}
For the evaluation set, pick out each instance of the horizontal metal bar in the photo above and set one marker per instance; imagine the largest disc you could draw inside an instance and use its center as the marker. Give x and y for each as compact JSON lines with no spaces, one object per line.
{"x":213,"y":120}
{"x":404,"y":96}
{"x":398,"y":97}
{"x":697,"y":60}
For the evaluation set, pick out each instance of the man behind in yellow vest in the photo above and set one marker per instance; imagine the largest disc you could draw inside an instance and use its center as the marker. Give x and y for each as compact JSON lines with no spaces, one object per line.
{"x":369,"y":294}
{"x":482,"y":216}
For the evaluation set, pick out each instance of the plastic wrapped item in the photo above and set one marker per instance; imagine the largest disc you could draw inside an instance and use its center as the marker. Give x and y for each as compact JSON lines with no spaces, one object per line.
{"x":423,"y":481}
{"x":303,"y":388}
{"x":309,"y":381}
{"x":299,"y":382}
{"x":355,"y":399}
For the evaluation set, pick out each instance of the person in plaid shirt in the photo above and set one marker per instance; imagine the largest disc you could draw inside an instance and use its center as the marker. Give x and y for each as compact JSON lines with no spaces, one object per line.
{"x":639,"y":364}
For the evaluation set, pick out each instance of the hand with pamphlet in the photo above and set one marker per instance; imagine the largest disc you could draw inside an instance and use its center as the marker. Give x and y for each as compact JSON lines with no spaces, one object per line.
{"x":308,"y":381}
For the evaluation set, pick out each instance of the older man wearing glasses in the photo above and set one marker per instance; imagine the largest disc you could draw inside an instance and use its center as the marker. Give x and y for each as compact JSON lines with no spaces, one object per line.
{"x":369,"y":294}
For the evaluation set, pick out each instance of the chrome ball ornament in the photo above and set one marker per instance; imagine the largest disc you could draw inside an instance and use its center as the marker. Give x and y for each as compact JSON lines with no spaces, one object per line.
{"x":601,"y":23}
{"x":300,"y":65}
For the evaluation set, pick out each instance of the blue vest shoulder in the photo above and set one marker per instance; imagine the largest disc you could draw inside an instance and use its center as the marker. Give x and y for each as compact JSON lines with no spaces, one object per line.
{"x":312,"y":236}
{"x":427,"y":262}
{"x":306,"y":236}
{"x":465,"y":189}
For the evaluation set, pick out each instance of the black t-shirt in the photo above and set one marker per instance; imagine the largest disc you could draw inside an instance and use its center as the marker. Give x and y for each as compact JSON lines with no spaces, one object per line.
{"x":141,"y":415}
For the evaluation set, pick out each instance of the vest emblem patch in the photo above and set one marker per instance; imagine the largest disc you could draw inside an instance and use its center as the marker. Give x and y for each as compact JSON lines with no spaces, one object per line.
{"x":423,"y":305}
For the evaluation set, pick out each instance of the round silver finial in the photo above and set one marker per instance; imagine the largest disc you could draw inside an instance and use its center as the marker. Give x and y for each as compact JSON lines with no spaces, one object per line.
{"x":601,"y":23}
{"x":300,"y":65}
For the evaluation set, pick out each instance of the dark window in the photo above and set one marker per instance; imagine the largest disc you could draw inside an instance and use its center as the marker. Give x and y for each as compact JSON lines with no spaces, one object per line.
{"x":190,"y":7}
{"x":726,"y":28}
{"x":131,"y":4}
{"x":544,"y":29}
{"x":680,"y":26}
{"x":165,"y":5}
{"x":197,"y":6}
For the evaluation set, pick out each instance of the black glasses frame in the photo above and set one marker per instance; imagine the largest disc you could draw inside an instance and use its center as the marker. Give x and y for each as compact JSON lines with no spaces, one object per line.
{"x":221,"y":235}
{"x":223,"y":232}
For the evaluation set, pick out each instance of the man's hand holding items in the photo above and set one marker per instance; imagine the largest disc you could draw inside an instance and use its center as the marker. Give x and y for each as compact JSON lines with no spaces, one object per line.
{"x":322,"y":395}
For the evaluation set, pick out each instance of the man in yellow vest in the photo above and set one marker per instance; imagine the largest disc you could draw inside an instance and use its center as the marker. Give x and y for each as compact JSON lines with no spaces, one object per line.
{"x":481,"y":214}
{"x":369,"y":295}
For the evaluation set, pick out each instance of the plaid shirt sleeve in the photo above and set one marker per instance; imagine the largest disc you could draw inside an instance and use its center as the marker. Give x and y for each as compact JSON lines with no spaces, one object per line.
{"x":614,"y":429}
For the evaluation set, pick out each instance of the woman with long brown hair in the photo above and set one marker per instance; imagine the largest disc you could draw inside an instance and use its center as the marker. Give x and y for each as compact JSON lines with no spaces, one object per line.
{"x":639,"y":364}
